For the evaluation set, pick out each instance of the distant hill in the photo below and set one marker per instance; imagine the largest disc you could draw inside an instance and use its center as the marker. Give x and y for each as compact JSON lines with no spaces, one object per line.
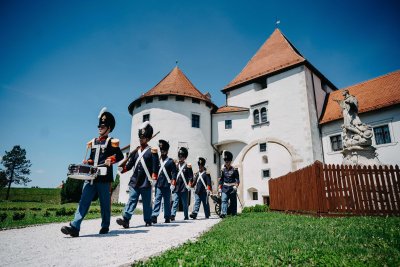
{"x":45,"y":195}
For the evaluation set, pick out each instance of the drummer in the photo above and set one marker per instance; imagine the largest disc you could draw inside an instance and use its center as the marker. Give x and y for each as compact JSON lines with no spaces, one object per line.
{"x":105,"y":151}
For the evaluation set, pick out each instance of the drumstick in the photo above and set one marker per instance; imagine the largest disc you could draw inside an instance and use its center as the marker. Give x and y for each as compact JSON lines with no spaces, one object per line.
{"x":87,"y":149}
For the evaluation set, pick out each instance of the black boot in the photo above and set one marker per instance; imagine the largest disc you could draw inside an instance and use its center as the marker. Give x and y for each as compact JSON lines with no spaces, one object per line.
{"x":193,"y":216}
{"x":172,"y":218}
{"x":104,"y":230}
{"x":167,"y":220}
{"x":70,"y":230}
{"x":123,"y":222}
{"x":154,"y":219}
{"x":148,"y":224}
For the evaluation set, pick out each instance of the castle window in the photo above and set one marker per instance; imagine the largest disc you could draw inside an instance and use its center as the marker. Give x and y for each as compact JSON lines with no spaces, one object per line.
{"x":228,"y":124}
{"x":146,"y":117}
{"x":162,"y":98}
{"x":263,"y":114}
{"x":256,"y":116}
{"x":263,"y":147}
{"x":208,"y":104}
{"x":255,"y":195}
{"x":149,"y":100}
{"x":382,"y":135}
{"x":139,"y":103}
{"x":336,"y":142}
{"x":195,"y":121}
{"x":266,"y":174}
{"x":215,"y":158}
{"x":196,"y":101}
{"x":180,"y":98}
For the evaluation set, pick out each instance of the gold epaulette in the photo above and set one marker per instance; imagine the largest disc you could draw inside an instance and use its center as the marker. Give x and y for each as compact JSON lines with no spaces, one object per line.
{"x":115,"y":142}
{"x":89,"y":144}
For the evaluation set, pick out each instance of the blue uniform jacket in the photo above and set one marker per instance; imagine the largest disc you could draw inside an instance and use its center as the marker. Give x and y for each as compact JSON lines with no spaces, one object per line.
{"x":108,"y":151}
{"x":230,"y":175}
{"x":139,"y":177}
{"x":170,"y":167}
{"x":198,"y":185}
{"x":180,"y":185}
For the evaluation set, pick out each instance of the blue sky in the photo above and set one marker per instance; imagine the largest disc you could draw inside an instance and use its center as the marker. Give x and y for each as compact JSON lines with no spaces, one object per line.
{"x":62,"y":61}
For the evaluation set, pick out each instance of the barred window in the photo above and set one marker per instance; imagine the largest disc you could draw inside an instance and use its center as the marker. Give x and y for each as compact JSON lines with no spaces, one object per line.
{"x":263,"y":115}
{"x":228,"y":124}
{"x":336,"y":142}
{"x":195,"y":121}
{"x":382,"y":135}
{"x":256,"y":116}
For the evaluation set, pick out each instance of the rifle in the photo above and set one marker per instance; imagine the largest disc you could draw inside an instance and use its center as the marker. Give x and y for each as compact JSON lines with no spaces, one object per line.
{"x":124,"y":161}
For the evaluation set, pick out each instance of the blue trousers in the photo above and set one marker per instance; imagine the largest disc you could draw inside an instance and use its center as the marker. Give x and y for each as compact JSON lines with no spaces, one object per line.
{"x":88,"y":193}
{"x":202,"y":197}
{"x":162,"y":192}
{"x":233,"y":202}
{"x":184,"y":197}
{"x":130,"y":206}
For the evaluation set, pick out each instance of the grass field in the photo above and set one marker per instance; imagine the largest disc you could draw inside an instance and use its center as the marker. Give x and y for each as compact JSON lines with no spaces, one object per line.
{"x":46,"y":195}
{"x":270,"y":239}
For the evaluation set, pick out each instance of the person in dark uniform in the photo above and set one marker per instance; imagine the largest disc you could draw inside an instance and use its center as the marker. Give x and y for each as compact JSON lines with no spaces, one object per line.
{"x":104,"y":151}
{"x":145,"y":163}
{"x":202,"y":185}
{"x":183,"y":179}
{"x":228,"y":185}
{"x":165,"y":183}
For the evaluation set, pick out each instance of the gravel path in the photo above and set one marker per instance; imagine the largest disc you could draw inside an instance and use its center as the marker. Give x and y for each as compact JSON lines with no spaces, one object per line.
{"x":45,"y":245}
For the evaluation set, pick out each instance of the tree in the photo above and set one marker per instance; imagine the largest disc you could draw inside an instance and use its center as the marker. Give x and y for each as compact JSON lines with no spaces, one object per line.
{"x":16,"y":167}
{"x":71,"y":191}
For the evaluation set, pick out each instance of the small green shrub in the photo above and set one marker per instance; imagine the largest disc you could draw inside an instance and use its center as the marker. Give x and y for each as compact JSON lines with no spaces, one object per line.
{"x":64,"y":212}
{"x":36,"y":209}
{"x":3,"y":216}
{"x":256,"y":208}
{"x":17,"y":216}
{"x":47,"y":213}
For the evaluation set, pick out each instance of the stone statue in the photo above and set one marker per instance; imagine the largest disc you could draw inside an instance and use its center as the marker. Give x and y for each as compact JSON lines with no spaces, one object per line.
{"x":356,"y":136}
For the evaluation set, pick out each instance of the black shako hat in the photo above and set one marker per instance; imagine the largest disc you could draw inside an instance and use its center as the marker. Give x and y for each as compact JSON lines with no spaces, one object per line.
{"x":106,"y":119}
{"x":183,"y":152}
{"x":201,"y":161}
{"x":145,"y":130}
{"x":164,"y":145}
{"x":227,"y":155}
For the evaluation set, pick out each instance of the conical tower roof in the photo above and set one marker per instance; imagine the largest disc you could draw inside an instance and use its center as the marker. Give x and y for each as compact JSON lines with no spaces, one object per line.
{"x":275,"y":54}
{"x":174,"y":83}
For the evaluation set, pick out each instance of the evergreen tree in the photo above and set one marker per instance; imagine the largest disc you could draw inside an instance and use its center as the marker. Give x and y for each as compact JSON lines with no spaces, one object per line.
{"x":16,"y":167}
{"x":3,"y":179}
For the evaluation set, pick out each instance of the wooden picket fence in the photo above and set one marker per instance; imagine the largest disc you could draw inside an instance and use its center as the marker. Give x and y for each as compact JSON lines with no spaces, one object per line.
{"x":326,"y":189}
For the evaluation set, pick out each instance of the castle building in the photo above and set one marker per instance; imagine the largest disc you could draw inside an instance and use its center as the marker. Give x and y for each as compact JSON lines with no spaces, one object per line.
{"x":279,"y":116}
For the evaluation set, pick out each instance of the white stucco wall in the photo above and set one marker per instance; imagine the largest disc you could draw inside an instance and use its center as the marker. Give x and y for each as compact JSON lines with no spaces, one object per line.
{"x":174,"y":121}
{"x":387,"y":153}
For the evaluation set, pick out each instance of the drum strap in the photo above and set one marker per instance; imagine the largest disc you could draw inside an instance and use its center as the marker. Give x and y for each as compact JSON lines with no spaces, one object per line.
{"x":162,"y":168}
{"x":98,"y":147}
{"x":180,"y":173}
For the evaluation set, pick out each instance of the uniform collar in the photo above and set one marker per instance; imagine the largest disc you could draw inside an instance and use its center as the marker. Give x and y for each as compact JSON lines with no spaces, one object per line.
{"x":102,"y":138}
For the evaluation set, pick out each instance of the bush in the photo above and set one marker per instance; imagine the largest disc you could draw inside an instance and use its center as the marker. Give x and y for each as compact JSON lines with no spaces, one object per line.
{"x":47,"y":214}
{"x":17,"y":216}
{"x":3,"y":216}
{"x":71,"y":191}
{"x":36,"y":209}
{"x":115,"y":183}
{"x":64,"y":212}
{"x":256,"y":208}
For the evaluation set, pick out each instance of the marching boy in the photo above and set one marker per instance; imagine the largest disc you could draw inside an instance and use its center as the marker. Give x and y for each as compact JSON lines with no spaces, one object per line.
{"x":165,"y":183}
{"x":183,"y":178}
{"x":144,"y":162}
{"x":202,"y":185}
{"x":104,"y":151}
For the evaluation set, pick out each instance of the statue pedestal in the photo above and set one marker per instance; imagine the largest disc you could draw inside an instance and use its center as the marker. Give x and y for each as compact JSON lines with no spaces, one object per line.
{"x":358,"y":155}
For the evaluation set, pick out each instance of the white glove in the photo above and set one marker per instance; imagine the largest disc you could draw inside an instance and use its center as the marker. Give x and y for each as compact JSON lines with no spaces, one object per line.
{"x":172,"y":187}
{"x":120,"y":169}
{"x":219,"y":190}
{"x":208,"y":192}
{"x":235,"y":188}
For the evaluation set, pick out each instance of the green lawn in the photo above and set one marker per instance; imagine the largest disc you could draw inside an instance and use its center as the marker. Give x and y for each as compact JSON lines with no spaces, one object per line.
{"x":270,"y":239}
{"x":48,"y":195}
{"x":39,"y":213}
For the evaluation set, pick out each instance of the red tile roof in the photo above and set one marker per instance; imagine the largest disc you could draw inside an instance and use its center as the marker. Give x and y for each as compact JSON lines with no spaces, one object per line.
{"x":227,"y":109}
{"x":275,"y":54}
{"x":383,"y":91}
{"x":174,"y":83}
